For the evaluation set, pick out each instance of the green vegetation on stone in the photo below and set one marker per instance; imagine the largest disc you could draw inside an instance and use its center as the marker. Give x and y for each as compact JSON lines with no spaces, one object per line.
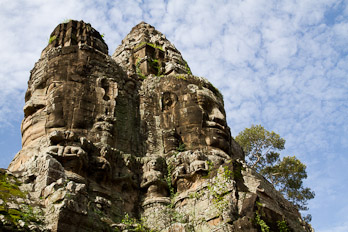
{"x":138,"y":70}
{"x":10,"y":193}
{"x":150,"y":44}
{"x":219,"y":182}
{"x":181,"y":77}
{"x":195,"y":195}
{"x":154,"y":63}
{"x":264,"y":227}
{"x":66,"y":20}
{"x":9,"y":189}
{"x":282,"y":226}
{"x":51,"y":39}
{"x":268,"y":226}
{"x":181,"y":147}
{"x":188,"y":70}
{"x":134,"y":225}
{"x":170,"y":169}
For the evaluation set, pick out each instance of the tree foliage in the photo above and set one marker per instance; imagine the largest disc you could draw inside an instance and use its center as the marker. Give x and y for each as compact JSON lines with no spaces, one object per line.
{"x":262,"y":148}
{"x":287,"y":176}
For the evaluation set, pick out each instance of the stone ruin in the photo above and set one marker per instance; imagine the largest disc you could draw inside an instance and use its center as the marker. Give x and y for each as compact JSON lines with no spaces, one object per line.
{"x":134,"y":142}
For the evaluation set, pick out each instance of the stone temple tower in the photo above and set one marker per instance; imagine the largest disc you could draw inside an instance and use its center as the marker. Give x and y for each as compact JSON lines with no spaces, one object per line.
{"x":133,"y":142}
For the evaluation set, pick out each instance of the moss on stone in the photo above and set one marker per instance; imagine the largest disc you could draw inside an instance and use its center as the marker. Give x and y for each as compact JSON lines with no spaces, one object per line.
{"x":138,"y":70}
{"x":66,"y":20}
{"x":10,"y":193}
{"x":154,"y":63}
{"x":150,"y":44}
{"x":261,"y":223}
{"x":132,"y":224}
{"x":182,"y":77}
{"x":51,"y":39}
{"x":188,"y":70}
{"x":9,"y":187}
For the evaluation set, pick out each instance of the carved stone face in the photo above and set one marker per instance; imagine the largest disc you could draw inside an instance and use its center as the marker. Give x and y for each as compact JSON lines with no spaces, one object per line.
{"x":69,"y":89}
{"x":214,"y":125}
{"x":191,"y":114}
{"x":69,"y":101}
{"x":153,"y":165}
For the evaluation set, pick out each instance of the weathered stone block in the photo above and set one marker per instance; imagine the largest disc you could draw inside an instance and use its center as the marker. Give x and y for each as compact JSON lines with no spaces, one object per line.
{"x":134,"y":141}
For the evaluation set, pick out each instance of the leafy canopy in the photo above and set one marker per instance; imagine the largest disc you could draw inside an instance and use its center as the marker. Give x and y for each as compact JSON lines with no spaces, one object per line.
{"x":261,"y":149}
{"x":260,"y":146}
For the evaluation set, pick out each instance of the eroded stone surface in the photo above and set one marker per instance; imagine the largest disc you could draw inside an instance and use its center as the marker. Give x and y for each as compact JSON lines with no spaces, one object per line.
{"x":147,"y":51}
{"x":135,"y":141}
{"x":80,"y":128}
{"x":18,"y":210}
{"x":182,"y":110}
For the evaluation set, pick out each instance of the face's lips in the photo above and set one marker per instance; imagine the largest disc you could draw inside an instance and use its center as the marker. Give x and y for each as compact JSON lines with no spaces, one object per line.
{"x":212,"y":124}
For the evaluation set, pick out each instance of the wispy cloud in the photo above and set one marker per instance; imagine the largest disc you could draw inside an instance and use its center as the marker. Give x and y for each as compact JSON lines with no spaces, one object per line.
{"x":279,"y":63}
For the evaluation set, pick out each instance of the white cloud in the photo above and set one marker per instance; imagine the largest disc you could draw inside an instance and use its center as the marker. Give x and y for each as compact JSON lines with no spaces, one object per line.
{"x":177,"y":9}
{"x":155,"y":10}
{"x":278,"y":63}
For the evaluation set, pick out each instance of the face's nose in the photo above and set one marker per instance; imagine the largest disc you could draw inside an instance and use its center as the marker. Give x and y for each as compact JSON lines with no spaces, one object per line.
{"x":34,"y":103}
{"x":217,"y":116}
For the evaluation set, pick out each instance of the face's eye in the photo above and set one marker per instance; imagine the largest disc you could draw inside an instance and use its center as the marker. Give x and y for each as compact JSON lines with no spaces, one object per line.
{"x":53,"y":87}
{"x":205,"y":102}
{"x":213,"y":111}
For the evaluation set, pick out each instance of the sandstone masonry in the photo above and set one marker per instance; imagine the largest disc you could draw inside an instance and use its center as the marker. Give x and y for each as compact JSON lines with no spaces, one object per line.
{"x":131,"y":142}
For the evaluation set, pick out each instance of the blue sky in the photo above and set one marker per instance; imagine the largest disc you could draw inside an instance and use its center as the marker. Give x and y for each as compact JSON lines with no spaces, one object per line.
{"x":282,"y":64}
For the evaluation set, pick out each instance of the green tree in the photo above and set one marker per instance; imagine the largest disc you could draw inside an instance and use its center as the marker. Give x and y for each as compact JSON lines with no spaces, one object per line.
{"x":261,"y":149}
{"x":260,"y":146}
{"x":287,"y":176}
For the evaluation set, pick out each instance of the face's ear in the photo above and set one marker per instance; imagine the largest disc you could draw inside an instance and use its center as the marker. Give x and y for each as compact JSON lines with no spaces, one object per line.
{"x":169,"y":100}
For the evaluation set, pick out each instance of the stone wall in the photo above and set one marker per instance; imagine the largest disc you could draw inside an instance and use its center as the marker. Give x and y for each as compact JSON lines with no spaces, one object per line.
{"x":134,"y":141}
